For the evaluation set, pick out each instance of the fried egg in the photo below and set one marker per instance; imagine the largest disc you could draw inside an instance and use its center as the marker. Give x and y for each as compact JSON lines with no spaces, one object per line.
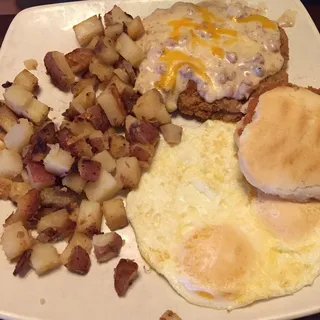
{"x":219,"y":242}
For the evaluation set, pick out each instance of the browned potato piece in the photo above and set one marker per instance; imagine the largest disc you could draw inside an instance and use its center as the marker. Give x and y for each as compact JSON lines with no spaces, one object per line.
{"x":55,"y":226}
{"x":103,"y":72}
{"x":169,"y":315}
{"x":106,"y":246}
{"x":77,"y":147}
{"x":89,"y":218}
{"x":86,"y":30}
{"x":92,"y":44}
{"x":116,"y":15}
{"x":103,"y":189}
{"x":84,"y":100}
{"x":105,"y":51}
{"x":129,"y":50}
{"x":119,"y":146}
{"x":74,"y":214}
{"x":121,"y":86}
{"x":107,"y":161}
{"x":135,"y":28}
{"x":23,"y":264}
{"x":114,"y":30}
{"x":57,"y":197}
{"x":125,"y":272}
{"x":5,"y":188}
{"x":78,"y":239}
{"x":97,"y":142}
{"x":128,"y":68}
{"x":18,"y":190}
{"x":110,"y":102}
{"x":150,"y":107}
{"x":44,"y":257}
{"x":30,"y":64}
{"x":80,"y":129}
{"x":128,"y":172}
{"x":78,"y":87}
{"x":74,"y":182}
{"x":171,"y":133}
{"x":143,"y":152}
{"x":79,"y":59}
{"x":15,"y":240}
{"x":27,"y":80}
{"x":89,"y":170}
{"x":115,"y":214}
{"x":7,"y":118}
{"x":59,"y":70}
{"x":97,"y":117}
{"x":143,"y":132}
{"x":38,"y":177}
{"x":79,"y":261}
{"x":27,"y":208}
{"x":122,"y":75}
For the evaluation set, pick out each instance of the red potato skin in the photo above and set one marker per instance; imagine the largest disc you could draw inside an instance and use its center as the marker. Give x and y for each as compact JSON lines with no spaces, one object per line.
{"x":111,"y":250}
{"x":143,"y":132}
{"x":125,"y":272}
{"x":79,"y":261}
{"x":23,"y":265}
{"x":89,"y":169}
{"x":39,"y":175}
{"x":97,"y":117}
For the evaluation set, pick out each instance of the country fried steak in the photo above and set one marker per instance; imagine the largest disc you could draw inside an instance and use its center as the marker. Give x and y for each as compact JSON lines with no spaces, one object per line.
{"x":192,"y":104}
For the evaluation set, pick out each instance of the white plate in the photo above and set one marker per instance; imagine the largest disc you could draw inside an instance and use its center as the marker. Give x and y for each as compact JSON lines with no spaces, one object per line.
{"x":61,"y":295}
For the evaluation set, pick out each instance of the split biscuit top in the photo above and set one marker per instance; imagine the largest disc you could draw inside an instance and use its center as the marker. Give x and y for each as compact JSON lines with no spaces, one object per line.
{"x":279,"y":143}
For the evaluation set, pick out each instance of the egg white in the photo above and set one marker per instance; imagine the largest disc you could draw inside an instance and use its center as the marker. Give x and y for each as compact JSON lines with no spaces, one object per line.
{"x":219,"y":242}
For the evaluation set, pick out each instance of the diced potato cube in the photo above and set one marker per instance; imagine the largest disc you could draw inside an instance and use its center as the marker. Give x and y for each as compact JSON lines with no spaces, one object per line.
{"x":78,"y":239}
{"x":38,"y":177}
{"x":86,"y":30}
{"x":120,"y":85}
{"x":44,"y":257}
{"x":27,"y":80}
{"x":150,"y":107}
{"x":79,"y":261}
{"x":84,"y":100}
{"x":171,"y":133}
{"x":92,"y":44}
{"x":58,"y":161}
{"x":115,"y":214}
{"x":89,"y":169}
{"x":77,"y":88}
{"x":106,"y":52}
{"x":106,"y":246}
{"x":128,"y":172}
{"x":36,"y":111}
{"x":116,"y":15}
{"x":59,"y":70}
{"x":18,"y":190}
{"x":103,"y":72}
{"x":10,"y":163}
{"x":143,"y":152}
{"x":114,"y":30}
{"x":15,"y":240}
{"x":103,"y":189}
{"x":19,"y":135}
{"x":74,"y":214}
{"x":108,"y":163}
{"x":111,"y":103}
{"x":79,"y":59}
{"x":135,"y":28}
{"x":119,"y":146}
{"x":97,"y":142}
{"x":17,"y":98}
{"x":74,"y":182}
{"x":89,"y":218}
{"x":56,"y":219}
{"x":5,"y":188}
{"x":169,"y":315}
{"x":122,"y":75}
{"x":30,"y":64}
{"x":7,"y":118}
{"x":129,"y":50}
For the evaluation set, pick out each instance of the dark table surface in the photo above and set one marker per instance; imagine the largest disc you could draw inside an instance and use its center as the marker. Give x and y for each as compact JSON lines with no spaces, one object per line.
{"x":313,"y":7}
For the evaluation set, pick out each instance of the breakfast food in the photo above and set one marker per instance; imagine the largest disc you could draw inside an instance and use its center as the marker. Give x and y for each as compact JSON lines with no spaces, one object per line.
{"x":278,"y":143}
{"x":219,"y":242}
{"x":206,"y":59}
